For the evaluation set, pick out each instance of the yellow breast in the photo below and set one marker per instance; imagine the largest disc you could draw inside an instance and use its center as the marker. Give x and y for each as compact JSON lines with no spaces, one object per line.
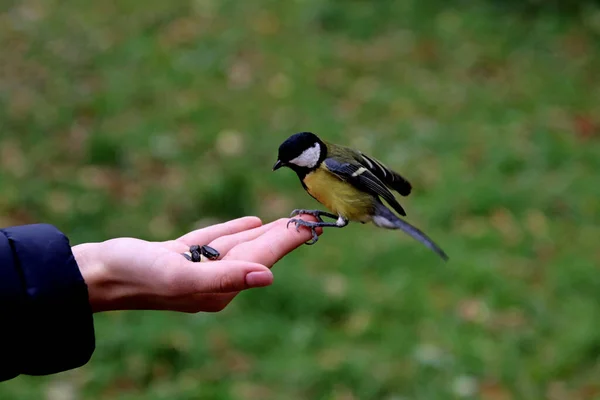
{"x":338,"y":196}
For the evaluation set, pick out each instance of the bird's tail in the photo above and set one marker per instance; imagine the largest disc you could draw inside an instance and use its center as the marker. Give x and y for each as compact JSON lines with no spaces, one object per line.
{"x":385,"y":218}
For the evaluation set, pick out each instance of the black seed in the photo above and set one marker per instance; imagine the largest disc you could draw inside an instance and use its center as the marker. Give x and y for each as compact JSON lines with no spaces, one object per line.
{"x":209,"y":252}
{"x":195,"y":256}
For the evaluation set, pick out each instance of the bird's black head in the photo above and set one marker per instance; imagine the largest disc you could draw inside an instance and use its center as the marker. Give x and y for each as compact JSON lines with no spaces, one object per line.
{"x":302,"y":151}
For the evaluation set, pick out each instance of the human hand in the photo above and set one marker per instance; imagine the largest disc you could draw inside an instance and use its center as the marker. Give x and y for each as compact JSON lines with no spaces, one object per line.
{"x":128,"y":273}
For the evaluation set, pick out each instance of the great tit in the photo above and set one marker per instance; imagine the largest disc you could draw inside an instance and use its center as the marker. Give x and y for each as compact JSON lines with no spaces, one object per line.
{"x":349,"y":183}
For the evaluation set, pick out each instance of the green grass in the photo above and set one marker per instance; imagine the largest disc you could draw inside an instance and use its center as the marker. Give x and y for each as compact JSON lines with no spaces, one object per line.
{"x":131,"y":119}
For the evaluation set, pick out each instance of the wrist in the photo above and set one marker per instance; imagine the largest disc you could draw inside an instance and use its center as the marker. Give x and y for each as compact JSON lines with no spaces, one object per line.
{"x":95,"y":274}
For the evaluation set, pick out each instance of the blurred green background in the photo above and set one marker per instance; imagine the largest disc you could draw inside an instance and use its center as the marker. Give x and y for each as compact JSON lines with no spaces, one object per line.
{"x":151,"y":118}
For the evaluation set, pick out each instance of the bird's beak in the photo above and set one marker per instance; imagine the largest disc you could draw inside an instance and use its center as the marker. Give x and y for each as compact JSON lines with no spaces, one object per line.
{"x":277,"y":165}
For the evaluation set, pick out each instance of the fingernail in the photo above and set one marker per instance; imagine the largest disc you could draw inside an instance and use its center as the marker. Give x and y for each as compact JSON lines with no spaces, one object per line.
{"x":259,"y":279}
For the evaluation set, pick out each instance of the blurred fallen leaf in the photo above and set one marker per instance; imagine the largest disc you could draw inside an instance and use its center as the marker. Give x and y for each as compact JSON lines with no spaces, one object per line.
{"x":92,"y":177}
{"x":358,"y":322}
{"x":509,"y":319}
{"x":537,"y":223}
{"x":240,"y":74}
{"x":494,"y":391}
{"x":230,"y":143}
{"x":364,"y":88}
{"x":429,"y":354}
{"x":335,"y":285}
{"x":266,"y":23}
{"x":440,"y":296}
{"x":343,"y":393}
{"x":331,"y":358}
{"x":219,"y":341}
{"x":426,"y":51}
{"x":59,"y":202}
{"x":558,"y":391}
{"x":575,"y":43}
{"x":238,"y":362}
{"x":250,"y":391}
{"x":21,"y":103}
{"x":589,"y":392}
{"x":181,"y":31}
{"x":586,"y":127}
{"x":504,"y":222}
{"x":473,"y":227}
{"x":180,"y":340}
{"x":61,"y":389}
{"x":88,"y":203}
{"x":280,"y":86}
{"x":161,"y":371}
{"x":474,"y":310}
{"x":346,"y":108}
{"x":164,"y":146}
{"x":12,"y":159}
{"x":464,"y":386}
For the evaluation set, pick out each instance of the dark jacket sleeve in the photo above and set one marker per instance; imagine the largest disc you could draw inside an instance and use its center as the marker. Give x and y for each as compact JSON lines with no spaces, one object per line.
{"x":46,"y":323}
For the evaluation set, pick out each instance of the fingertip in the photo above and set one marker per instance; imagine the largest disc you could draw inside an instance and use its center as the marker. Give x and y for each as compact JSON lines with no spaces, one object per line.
{"x":248,"y":222}
{"x":273,"y":244}
{"x":253,"y":220}
{"x":259,"y":278}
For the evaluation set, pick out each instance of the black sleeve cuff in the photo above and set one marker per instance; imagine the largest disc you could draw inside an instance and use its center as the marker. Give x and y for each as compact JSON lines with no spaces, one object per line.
{"x":52,"y":317}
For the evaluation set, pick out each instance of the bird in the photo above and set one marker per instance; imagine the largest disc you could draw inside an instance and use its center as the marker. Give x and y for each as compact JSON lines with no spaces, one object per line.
{"x":350,"y":184}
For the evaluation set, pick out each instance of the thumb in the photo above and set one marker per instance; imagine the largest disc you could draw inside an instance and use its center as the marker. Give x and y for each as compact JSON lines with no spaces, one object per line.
{"x":227,"y":276}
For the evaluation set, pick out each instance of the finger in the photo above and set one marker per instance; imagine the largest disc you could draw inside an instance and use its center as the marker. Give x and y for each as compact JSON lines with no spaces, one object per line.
{"x":217,"y":277}
{"x":222,"y":244}
{"x":207,"y":235}
{"x":274,"y":244}
{"x":225,"y":243}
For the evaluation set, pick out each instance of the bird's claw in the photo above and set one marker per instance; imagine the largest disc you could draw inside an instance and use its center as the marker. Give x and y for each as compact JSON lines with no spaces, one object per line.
{"x":313,"y":240}
{"x":311,"y":225}
{"x":296,"y":222}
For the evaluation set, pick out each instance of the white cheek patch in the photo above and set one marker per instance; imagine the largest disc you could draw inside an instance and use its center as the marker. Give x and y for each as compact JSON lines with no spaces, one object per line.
{"x":309,"y":157}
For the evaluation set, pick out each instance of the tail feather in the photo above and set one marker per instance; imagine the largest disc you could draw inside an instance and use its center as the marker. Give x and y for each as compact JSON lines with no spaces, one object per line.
{"x":385,"y":218}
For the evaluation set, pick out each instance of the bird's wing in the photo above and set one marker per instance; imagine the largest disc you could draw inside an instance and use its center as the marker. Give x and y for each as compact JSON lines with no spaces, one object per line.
{"x":362,"y":178}
{"x":391,"y":178}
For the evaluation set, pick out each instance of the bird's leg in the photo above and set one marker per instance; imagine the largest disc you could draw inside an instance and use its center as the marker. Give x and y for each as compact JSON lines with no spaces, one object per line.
{"x":340,"y":223}
{"x":315,"y":213}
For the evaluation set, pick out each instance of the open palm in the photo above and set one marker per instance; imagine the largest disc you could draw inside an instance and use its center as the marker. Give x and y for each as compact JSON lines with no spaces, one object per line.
{"x":128,"y":273}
